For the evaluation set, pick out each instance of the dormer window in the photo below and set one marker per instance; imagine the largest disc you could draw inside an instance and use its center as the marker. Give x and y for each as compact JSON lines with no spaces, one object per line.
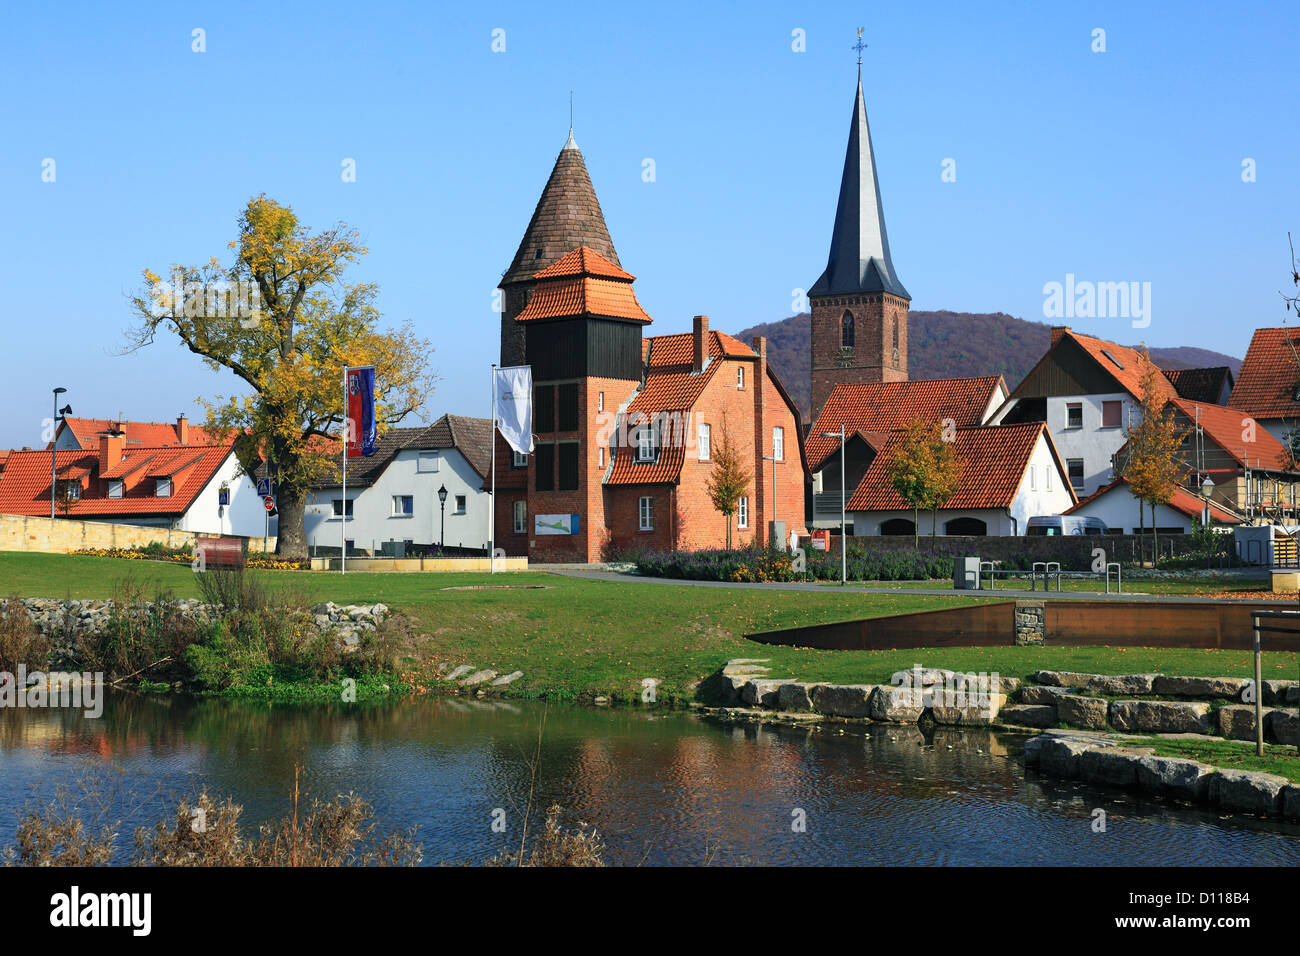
{"x":116,"y":488}
{"x":162,"y":487}
{"x":645,"y":444}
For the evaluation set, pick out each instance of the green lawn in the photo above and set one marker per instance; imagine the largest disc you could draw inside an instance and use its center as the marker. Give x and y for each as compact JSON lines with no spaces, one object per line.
{"x":1247,"y":587}
{"x":1228,"y":754}
{"x":578,"y":636}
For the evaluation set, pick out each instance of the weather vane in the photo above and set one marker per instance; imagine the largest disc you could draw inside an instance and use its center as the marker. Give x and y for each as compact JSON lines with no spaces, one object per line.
{"x":859,"y":46}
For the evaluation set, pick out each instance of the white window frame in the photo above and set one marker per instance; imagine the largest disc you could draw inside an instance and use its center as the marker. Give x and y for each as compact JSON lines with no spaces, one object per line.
{"x":645,"y":443}
{"x":742,"y":511}
{"x":399,"y":506}
{"x":1083,"y":474}
{"x":1048,"y":471}
{"x":162,"y":488}
{"x":518,"y":459}
{"x":740,"y":377}
{"x":1068,"y":406}
{"x":520,"y":514}
{"x":1033,"y":478}
{"x":342,"y":507}
{"x":645,"y":512}
{"x":600,"y":459}
{"x":116,"y":488}
{"x":704,"y":440}
{"x":778,"y":443}
{"x":600,"y":401}
{"x":428,"y":458}
{"x":462,"y":504}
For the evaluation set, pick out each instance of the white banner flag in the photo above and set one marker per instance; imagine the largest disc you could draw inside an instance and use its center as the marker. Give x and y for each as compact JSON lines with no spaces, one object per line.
{"x":514,"y":410}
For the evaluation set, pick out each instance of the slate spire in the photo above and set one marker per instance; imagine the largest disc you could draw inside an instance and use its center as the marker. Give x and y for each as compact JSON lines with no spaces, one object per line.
{"x":859,"y":259}
{"x":567,"y":216}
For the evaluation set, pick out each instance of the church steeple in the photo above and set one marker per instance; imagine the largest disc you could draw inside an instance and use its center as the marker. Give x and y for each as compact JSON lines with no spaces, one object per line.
{"x":859,"y":258}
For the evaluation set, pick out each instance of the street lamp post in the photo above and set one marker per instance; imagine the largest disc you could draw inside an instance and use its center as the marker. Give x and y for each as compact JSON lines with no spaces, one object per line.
{"x":844,"y":544}
{"x":54,"y":455}
{"x":442,"y":505}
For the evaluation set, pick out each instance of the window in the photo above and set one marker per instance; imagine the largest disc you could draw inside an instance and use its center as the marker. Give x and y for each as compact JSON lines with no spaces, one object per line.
{"x":778,"y":443}
{"x":1074,"y":415}
{"x":600,"y":401}
{"x":646,"y":513}
{"x":427,"y":461}
{"x":115,"y":488}
{"x":703,"y":442}
{"x":568,"y":466}
{"x":645,"y":443}
{"x":1048,"y":473}
{"x":403,"y":505}
{"x":544,"y":408}
{"x":1075,"y":466}
{"x":544,"y":467}
{"x":460,"y":504}
{"x":569,"y":407}
{"x":338,"y":507}
{"x":740,"y":376}
{"x":71,"y":490}
{"x":742,"y":512}
{"x":162,"y":487}
{"x":521,"y":517}
{"x":1033,"y":478}
{"x":518,"y":459}
{"x":1111,"y":414}
{"x":600,"y":456}
{"x":846,"y":330}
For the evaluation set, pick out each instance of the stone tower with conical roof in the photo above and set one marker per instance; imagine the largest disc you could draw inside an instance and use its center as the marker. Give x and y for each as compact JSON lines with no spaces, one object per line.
{"x":567,"y":216}
{"x":859,"y":308}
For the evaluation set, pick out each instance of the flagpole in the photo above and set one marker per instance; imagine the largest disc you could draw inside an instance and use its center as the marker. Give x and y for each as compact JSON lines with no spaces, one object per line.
{"x":343,"y":518}
{"x":492,"y":509}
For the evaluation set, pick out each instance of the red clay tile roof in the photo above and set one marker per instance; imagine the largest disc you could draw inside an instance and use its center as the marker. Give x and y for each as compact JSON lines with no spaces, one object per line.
{"x":1183,"y":500}
{"x":1224,"y":426}
{"x":671,"y":386}
{"x":1125,"y":366}
{"x":25,"y":483}
{"x":588,"y":295}
{"x":993,"y":457}
{"x":1266,"y":387}
{"x":144,"y":434}
{"x":583,"y":262}
{"x":885,"y":406}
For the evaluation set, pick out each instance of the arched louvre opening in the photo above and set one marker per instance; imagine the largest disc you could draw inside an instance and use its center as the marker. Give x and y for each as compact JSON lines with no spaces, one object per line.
{"x":846,"y":330}
{"x":970,"y":526}
{"x":897,"y":526}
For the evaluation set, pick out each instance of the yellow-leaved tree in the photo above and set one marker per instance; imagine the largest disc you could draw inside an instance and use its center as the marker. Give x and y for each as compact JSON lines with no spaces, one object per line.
{"x":924,"y":470}
{"x":1150,"y":461}
{"x":284,"y":322}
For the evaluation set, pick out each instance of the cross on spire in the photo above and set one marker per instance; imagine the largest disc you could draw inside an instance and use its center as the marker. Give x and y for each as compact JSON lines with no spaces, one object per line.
{"x":859,"y":46}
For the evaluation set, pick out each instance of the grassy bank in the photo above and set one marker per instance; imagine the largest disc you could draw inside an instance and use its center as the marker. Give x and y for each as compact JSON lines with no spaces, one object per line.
{"x":573,"y":637}
{"x":1226,"y":754}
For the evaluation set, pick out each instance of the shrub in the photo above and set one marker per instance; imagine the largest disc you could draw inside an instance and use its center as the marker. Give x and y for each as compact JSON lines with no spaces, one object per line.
{"x":20,"y":641}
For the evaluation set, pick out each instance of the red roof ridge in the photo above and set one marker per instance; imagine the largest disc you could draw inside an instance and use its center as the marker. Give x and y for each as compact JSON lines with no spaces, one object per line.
{"x":583,"y":261}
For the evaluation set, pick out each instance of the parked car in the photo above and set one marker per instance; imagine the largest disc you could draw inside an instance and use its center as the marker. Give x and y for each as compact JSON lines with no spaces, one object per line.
{"x":1065,"y":524}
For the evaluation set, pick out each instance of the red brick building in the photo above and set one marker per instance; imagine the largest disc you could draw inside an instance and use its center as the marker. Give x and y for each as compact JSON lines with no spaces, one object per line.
{"x":625,"y":425}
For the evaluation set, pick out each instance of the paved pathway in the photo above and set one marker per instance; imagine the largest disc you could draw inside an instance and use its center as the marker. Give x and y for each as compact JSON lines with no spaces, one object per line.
{"x":598,"y":575}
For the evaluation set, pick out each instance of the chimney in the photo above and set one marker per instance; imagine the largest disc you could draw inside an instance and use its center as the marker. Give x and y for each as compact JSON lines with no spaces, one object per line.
{"x":111,"y":445}
{"x":700,"y":332}
{"x":183,"y":429}
{"x":1057,"y":332}
{"x":759,"y":344}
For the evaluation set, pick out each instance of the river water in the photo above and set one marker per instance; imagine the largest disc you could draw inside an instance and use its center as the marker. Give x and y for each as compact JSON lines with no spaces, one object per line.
{"x":661,"y":787}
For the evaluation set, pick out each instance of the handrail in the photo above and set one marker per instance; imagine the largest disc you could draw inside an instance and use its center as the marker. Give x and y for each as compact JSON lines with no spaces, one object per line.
{"x":1255,"y":615}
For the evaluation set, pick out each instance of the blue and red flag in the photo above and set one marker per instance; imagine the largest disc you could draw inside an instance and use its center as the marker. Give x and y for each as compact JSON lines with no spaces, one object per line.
{"x":360,"y":422}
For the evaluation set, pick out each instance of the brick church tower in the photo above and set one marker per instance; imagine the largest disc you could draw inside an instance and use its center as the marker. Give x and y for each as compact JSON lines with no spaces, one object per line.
{"x":859,"y":308}
{"x":567,"y":216}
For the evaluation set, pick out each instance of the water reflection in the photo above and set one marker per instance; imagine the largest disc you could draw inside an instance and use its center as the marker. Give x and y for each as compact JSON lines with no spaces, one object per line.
{"x":661,"y":788}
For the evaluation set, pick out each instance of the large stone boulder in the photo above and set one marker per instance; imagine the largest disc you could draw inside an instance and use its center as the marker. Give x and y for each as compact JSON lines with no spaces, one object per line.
{"x":1063,"y":678}
{"x":961,"y":710}
{"x":897,"y":705}
{"x":1118,"y":685}
{"x":1059,"y":754}
{"x":745,"y":666}
{"x":1276,"y":692}
{"x":478,"y":677}
{"x":1161,"y":716}
{"x":1028,"y":715}
{"x":1111,"y":766}
{"x":732,"y":685}
{"x":1041,"y":693}
{"x":793,"y":695}
{"x":1079,"y":711}
{"x":843,"y":700}
{"x":1225,"y":688}
{"x":1291,"y":802}
{"x":1283,"y":726}
{"x":761,"y":693}
{"x":1237,"y":721}
{"x":1175,"y":777}
{"x":1247,"y":791}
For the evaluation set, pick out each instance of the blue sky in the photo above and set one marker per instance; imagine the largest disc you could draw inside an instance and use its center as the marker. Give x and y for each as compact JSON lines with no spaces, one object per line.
{"x":1117,"y":166}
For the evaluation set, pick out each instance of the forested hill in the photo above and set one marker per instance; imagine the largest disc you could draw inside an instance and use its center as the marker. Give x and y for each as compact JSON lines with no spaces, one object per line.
{"x":957,"y":345}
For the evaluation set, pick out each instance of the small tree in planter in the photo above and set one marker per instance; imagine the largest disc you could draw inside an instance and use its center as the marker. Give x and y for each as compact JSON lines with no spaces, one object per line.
{"x":730,"y":479}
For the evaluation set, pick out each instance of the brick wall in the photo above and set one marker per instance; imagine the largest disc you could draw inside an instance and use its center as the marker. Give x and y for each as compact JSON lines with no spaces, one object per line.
{"x":1074,"y":552}
{"x":871,"y":358}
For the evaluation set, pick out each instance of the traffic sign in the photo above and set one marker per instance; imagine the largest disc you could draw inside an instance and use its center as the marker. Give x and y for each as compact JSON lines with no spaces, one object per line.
{"x":269,"y":502}
{"x":264,"y":487}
